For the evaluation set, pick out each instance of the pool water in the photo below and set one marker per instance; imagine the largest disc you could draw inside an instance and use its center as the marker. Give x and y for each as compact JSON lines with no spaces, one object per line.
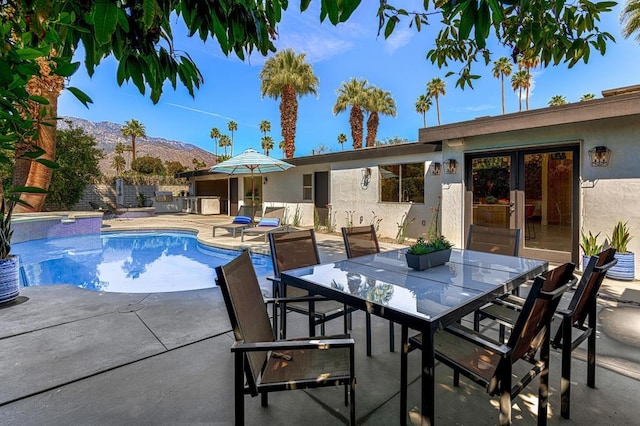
{"x":128,"y":262}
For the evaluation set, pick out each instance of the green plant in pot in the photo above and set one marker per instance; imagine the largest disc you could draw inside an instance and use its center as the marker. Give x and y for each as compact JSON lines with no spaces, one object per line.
{"x":590,"y":247}
{"x":9,"y":281}
{"x":619,"y":240}
{"x":426,"y":254}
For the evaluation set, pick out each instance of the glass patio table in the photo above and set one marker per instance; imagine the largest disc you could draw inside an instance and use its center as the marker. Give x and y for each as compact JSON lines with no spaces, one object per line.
{"x":383,"y":285}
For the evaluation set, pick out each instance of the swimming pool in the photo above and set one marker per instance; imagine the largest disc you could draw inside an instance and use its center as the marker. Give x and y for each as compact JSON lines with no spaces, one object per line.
{"x":128,"y":262}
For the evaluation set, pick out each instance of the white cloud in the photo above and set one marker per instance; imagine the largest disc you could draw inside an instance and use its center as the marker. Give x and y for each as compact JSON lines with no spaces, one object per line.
{"x":399,"y":38}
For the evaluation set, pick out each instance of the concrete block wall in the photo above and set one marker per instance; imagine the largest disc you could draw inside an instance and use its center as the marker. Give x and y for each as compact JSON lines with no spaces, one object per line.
{"x":106,"y":194}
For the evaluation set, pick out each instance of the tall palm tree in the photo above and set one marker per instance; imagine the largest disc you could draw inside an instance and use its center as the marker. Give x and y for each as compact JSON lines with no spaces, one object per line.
{"x":587,"y":97}
{"x":267,"y":144}
{"x":518,"y":82}
{"x":557,"y":100}
{"x":377,"y":102}
{"x":265,"y":126}
{"x":224,"y":142}
{"x":282,"y":145}
{"x":502,"y":69}
{"x":133,"y":129}
{"x":215,"y":135}
{"x":232,"y":126}
{"x":435,"y":88}
{"x":422,"y":106}
{"x":527,"y":62}
{"x":287,"y":76}
{"x":353,"y":94}
{"x":342,"y":138}
{"x":630,"y":19}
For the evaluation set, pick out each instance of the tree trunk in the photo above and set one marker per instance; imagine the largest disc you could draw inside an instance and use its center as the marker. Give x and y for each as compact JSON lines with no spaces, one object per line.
{"x":502,"y":80}
{"x":356,"y":121}
{"x":288,"y":119}
{"x":372,"y":128}
{"x":133,"y":148}
{"x":438,"y":108}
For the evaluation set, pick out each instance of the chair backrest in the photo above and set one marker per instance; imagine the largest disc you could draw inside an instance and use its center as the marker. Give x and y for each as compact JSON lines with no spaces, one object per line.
{"x":494,"y":240}
{"x":247,"y":311}
{"x":589,"y":285}
{"x":360,"y":240}
{"x":274,"y":212}
{"x":540,"y":305}
{"x":291,"y":250}
{"x":244,"y":210}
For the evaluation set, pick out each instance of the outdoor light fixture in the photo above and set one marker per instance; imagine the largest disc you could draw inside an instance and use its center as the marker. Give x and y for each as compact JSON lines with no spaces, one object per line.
{"x":450,"y":166}
{"x":366,"y":176}
{"x":266,"y":179}
{"x":436,"y":168}
{"x":600,"y":156}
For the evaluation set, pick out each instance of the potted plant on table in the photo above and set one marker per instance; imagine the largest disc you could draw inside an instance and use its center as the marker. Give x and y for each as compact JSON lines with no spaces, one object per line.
{"x":426,"y":254}
{"x":590,"y":247}
{"x":619,"y":239}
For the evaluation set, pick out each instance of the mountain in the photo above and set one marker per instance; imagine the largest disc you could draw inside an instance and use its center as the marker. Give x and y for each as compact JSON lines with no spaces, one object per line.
{"x":108,"y":134}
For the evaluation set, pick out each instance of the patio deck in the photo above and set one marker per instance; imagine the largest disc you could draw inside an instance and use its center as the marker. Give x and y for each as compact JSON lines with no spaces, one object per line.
{"x":72,"y":356}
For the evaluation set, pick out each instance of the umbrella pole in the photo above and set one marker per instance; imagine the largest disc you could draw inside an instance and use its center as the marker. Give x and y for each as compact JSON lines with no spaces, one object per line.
{"x":253,"y":196}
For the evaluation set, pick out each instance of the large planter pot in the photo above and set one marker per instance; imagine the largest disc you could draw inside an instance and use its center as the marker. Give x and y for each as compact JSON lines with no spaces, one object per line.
{"x":421,"y":262}
{"x":625,"y":268}
{"x":9,"y":279}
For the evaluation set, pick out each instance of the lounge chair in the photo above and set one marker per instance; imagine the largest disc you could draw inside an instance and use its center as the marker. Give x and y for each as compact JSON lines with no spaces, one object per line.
{"x":271,"y":222}
{"x":240,"y":222}
{"x":275,"y":365}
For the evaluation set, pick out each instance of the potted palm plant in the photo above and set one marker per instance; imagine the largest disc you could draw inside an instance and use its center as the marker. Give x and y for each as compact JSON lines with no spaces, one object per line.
{"x":9,"y":281}
{"x":590,"y":247}
{"x":426,"y":254}
{"x":619,"y":240}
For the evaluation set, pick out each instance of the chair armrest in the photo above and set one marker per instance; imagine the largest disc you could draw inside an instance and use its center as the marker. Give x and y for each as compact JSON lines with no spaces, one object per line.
{"x":563,"y":312}
{"x":292,"y":345}
{"x":474,"y":337}
{"x":301,"y":299}
{"x":550,"y":295}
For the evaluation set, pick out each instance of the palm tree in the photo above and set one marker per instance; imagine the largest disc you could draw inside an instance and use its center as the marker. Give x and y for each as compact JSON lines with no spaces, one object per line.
{"x":587,"y":97}
{"x":342,"y":138}
{"x":215,"y":135}
{"x":232,"y":126}
{"x":527,"y":62}
{"x":518,"y":82}
{"x":282,"y":145}
{"x":502,"y":69}
{"x":134,"y":129}
{"x":353,"y":94}
{"x":118,"y":163}
{"x":557,"y":100}
{"x":287,"y":76}
{"x":267,"y":144}
{"x":377,"y":102}
{"x":265,"y":126}
{"x":630,"y":19}
{"x":224,"y":142}
{"x":422,"y":106}
{"x":435,"y":88}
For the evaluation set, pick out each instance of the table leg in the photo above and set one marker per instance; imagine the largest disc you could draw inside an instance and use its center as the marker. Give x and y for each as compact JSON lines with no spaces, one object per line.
{"x":428,"y":379}
{"x":404,"y":352}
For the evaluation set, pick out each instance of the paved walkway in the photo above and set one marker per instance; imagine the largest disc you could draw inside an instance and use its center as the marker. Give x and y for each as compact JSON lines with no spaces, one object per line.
{"x":72,"y":356}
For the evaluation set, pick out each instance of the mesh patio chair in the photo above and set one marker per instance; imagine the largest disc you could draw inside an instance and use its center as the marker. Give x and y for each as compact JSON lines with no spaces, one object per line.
{"x":572,"y":330}
{"x":489,"y":362}
{"x":361,"y":241}
{"x":269,"y":365}
{"x":297,"y":249}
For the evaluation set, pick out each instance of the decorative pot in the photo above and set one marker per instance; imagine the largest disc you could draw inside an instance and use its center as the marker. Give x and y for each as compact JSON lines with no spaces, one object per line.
{"x":420,"y":262}
{"x":625,"y":268}
{"x":9,"y":279}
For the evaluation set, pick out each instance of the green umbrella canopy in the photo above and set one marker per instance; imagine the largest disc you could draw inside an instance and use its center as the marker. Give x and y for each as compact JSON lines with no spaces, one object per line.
{"x":251,"y":161}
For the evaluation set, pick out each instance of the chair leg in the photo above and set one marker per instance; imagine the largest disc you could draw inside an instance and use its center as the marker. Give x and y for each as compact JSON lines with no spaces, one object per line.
{"x":501,"y":333}
{"x":504,"y":417}
{"x":368,"y":331}
{"x":565,"y":380}
{"x":591,"y":347}
{"x":456,"y":378}
{"x":543,"y":389}
{"x":264,"y":399}
{"x":476,"y":320}
{"x":392,"y":337}
{"x":239,"y":387}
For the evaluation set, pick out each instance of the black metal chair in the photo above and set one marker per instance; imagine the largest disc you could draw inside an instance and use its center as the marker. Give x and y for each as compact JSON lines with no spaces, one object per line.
{"x":361,"y":241}
{"x":297,"y":249}
{"x":489,"y":362}
{"x":573,"y":330}
{"x":271,"y":365}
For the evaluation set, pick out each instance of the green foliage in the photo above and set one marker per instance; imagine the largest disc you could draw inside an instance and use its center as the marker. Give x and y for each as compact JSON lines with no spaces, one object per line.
{"x":425,"y":247}
{"x":6,"y":231}
{"x":198,"y":164}
{"x":316,"y":220}
{"x":589,"y":244}
{"x":78,"y":160}
{"x":297,"y":217}
{"x":620,"y":237}
{"x":330,"y":224}
{"x":118,"y":163}
{"x":174,"y":167}
{"x":148,"y":165}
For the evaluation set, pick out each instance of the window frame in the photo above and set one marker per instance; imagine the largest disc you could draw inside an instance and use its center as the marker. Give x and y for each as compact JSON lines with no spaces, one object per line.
{"x":401,"y":179}
{"x":309,"y":187}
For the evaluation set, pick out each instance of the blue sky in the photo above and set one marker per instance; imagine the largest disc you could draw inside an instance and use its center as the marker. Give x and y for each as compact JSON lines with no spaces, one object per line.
{"x":231,"y":89}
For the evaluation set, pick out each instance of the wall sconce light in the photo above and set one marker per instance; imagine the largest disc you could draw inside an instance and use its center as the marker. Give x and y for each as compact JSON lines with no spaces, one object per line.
{"x":600,"y":156}
{"x":436,"y":168}
{"x":450,"y":166}
{"x":266,"y":179}
{"x":366,"y":177}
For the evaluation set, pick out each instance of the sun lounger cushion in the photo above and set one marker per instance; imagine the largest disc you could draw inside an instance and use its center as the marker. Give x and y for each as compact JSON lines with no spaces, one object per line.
{"x":242,"y":220}
{"x":269,"y":221}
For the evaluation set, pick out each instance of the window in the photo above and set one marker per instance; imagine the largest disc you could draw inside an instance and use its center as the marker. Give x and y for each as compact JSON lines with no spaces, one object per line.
{"x":402,"y":183}
{"x":307,"y":187}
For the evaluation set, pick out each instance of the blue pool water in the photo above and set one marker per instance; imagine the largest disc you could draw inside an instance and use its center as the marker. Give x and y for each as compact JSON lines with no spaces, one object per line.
{"x":128,"y":262}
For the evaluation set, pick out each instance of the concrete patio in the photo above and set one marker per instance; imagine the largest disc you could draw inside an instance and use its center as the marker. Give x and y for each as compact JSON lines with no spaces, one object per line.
{"x":72,"y":356}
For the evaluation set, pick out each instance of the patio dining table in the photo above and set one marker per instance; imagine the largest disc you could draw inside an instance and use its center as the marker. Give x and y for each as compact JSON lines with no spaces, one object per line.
{"x":426,"y":301}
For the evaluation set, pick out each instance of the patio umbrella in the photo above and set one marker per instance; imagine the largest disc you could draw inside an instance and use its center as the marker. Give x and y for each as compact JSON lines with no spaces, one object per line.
{"x":251,"y":160}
